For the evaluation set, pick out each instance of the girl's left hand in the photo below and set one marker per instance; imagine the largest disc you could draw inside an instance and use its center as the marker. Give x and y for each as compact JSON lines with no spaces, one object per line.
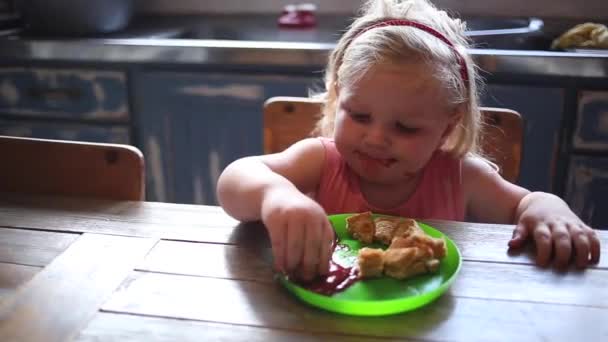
{"x":556,"y":231}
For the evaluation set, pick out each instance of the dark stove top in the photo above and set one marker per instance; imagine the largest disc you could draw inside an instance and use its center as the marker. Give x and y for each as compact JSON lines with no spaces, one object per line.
{"x":140,"y":29}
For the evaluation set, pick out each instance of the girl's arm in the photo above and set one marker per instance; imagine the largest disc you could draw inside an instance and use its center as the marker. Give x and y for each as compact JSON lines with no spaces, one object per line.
{"x":244,"y":183}
{"x":489,"y":198}
{"x":273,"y":188}
{"x":546,"y":218}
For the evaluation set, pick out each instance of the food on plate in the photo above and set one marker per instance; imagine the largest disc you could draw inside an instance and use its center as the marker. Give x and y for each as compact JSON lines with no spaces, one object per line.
{"x":371,"y":262}
{"x":389,"y":227}
{"x":437,"y":246}
{"x":402,"y":263}
{"x":361,"y":227}
{"x":410,"y":250}
{"x":385,"y":228}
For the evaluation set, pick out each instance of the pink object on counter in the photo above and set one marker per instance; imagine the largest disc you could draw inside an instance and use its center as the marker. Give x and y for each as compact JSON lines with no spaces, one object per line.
{"x":298,"y":16}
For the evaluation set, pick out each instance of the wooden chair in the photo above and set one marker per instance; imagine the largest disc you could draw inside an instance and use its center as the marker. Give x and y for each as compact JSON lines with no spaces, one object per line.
{"x":289,"y":119}
{"x":58,"y":167}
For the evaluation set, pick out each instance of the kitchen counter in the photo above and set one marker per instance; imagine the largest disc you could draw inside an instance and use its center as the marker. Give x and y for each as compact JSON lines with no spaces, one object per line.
{"x":185,"y":51}
{"x":256,"y":41}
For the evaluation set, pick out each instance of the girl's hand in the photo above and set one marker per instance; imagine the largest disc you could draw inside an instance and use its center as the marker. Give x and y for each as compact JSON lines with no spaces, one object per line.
{"x":300,"y":233}
{"x":556,"y":230}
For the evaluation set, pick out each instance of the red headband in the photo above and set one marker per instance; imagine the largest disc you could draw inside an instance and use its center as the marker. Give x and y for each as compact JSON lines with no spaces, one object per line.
{"x":464,"y":73}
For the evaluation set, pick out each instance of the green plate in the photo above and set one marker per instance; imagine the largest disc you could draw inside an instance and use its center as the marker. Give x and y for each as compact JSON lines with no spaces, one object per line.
{"x":380,"y":296}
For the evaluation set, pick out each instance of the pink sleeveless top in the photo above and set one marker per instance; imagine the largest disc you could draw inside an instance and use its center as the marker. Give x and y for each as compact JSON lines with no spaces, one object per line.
{"x":438,"y":195}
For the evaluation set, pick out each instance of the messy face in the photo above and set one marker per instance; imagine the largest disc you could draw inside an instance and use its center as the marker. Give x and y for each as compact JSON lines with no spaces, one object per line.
{"x":391,"y":121}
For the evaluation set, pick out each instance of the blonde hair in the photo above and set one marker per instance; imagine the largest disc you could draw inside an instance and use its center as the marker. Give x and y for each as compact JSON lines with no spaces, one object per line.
{"x":355,"y":53}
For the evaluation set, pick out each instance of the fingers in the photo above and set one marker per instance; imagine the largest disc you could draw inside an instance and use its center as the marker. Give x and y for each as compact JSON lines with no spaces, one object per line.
{"x":294,"y":248}
{"x":565,"y":241}
{"x":544,"y":244}
{"x":520,"y":234}
{"x":302,"y":242}
{"x":327,"y":242}
{"x":587,"y":245}
{"x":562,"y":244}
{"x":312,"y":251}
{"x":582,"y":245}
{"x":318,"y":250}
{"x":594,"y":246}
{"x":277,"y":241}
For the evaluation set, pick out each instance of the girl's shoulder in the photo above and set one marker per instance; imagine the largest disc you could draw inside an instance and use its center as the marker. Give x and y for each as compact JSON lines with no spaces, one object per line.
{"x":477,"y":166}
{"x":479,"y":175}
{"x":469,"y":163}
{"x":468,"y":168}
{"x":308,"y":148}
{"x":306,"y":151}
{"x":328,"y":144}
{"x":301,"y":163}
{"x":445,"y":160}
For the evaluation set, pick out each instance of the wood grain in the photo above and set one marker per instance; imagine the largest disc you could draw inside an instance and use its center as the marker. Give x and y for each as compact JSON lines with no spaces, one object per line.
{"x":268,"y":305}
{"x":67,"y":293}
{"x":119,"y":327}
{"x":143,"y":219}
{"x":210,"y":260}
{"x":487,"y":242}
{"x":12,"y":276}
{"x":532,"y":284}
{"x":474,"y":280}
{"x":31,"y":247}
{"x":73,"y":168}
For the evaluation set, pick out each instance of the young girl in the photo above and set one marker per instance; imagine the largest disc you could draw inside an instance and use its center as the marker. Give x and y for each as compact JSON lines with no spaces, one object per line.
{"x":400,"y":129}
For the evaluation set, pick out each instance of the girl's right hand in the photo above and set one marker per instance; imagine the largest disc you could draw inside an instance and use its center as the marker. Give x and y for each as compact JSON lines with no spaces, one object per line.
{"x":300,"y":233}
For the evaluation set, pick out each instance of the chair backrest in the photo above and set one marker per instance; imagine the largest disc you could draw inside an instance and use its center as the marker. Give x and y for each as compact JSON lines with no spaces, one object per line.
{"x":70,"y":168}
{"x":289,"y":119}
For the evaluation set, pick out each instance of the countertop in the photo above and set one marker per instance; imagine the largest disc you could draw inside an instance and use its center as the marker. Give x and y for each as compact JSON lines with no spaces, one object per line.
{"x":257,"y":41}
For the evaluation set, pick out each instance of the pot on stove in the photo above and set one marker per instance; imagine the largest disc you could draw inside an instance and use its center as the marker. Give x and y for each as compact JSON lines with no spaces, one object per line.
{"x":75,"y":17}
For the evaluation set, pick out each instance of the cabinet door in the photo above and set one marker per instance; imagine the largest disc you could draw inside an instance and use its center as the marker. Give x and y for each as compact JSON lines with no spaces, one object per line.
{"x":64,"y":93}
{"x":587,"y":188}
{"x":192,"y":126}
{"x":542,"y":111}
{"x":591,"y":121}
{"x":116,"y":134}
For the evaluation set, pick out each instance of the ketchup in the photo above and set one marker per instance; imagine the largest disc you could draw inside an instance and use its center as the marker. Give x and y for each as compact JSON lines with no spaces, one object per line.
{"x":338,"y":279}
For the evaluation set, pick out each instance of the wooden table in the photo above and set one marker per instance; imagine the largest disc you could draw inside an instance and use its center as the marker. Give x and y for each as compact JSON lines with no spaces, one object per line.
{"x":88,"y":270}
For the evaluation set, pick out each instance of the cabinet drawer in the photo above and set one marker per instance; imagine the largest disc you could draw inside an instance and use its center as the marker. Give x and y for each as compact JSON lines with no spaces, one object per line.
{"x":587,"y":188}
{"x":64,"y":93}
{"x":117,"y":134}
{"x":591,"y":131}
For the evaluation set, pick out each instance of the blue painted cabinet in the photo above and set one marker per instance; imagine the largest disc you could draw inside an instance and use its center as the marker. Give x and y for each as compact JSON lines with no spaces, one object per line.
{"x":542,"y":112}
{"x":587,"y":184}
{"x":591,"y":133}
{"x":64,"y":103}
{"x":587,"y":189}
{"x":63,"y":93}
{"x":191,"y":126}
